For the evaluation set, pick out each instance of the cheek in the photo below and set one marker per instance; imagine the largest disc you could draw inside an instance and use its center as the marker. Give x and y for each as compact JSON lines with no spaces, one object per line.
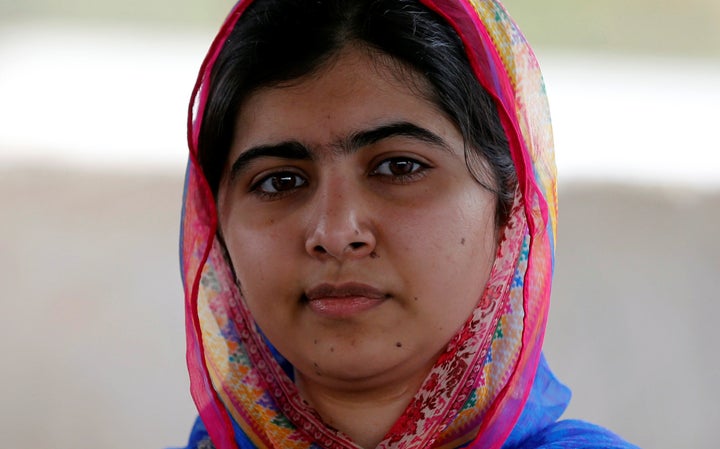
{"x":453,"y":230}
{"x":263,"y":276}
{"x":452,"y":247}
{"x":257,"y":254}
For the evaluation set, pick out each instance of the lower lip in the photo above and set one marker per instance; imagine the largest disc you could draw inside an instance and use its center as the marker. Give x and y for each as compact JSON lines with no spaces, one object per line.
{"x":343,"y":307}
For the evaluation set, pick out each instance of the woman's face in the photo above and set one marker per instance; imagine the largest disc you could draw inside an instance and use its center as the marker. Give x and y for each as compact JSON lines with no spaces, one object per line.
{"x":360,"y":241}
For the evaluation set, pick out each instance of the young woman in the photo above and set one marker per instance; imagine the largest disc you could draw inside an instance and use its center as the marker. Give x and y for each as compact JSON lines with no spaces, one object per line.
{"x":368,"y":231}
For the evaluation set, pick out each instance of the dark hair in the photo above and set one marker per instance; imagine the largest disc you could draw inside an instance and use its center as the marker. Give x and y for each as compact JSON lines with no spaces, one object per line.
{"x":277,"y":41}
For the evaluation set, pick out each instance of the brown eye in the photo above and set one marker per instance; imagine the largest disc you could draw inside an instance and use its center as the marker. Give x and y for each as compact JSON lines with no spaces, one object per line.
{"x":398,"y":167}
{"x":401,"y":167}
{"x":279,"y":183}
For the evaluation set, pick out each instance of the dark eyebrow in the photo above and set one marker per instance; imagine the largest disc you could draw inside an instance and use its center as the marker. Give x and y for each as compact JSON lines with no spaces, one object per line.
{"x":293,"y":149}
{"x":397,"y":129}
{"x":284,"y":150}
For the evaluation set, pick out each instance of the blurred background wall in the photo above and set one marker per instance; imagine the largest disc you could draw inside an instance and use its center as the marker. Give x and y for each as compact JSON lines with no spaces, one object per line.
{"x":92,"y":151}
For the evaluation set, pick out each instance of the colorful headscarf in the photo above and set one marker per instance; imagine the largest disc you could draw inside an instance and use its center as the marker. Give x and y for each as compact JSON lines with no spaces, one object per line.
{"x":476,"y":391}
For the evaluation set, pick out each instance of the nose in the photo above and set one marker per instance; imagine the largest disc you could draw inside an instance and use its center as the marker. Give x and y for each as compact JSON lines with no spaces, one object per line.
{"x":341,"y":225}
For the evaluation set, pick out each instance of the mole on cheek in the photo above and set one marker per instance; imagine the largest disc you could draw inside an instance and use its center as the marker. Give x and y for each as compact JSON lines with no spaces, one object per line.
{"x":374,"y":255}
{"x":462,"y":241}
{"x":398,"y":344}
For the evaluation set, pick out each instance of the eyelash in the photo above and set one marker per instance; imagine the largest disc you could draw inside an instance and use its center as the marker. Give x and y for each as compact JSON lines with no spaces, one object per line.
{"x":257,"y":187}
{"x":417,"y":171}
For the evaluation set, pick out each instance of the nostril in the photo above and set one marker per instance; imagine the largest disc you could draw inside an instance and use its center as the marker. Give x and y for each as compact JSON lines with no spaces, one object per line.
{"x":319,"y":249}
{"x":357,"y":245}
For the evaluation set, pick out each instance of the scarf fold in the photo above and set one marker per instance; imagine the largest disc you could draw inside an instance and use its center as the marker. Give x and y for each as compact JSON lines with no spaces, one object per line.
{"x":476,"y":391}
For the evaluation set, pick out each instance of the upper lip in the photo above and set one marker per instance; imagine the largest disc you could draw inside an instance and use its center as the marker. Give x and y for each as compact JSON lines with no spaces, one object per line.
{"x":347,"y":290}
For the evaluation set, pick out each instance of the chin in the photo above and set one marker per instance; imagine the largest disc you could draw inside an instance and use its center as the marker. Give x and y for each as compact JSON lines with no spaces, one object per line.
{"x":364,"y":366}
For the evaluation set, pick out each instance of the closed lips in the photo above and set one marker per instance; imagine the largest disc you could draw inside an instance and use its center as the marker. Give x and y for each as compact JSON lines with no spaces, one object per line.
{"x":348,"y":290}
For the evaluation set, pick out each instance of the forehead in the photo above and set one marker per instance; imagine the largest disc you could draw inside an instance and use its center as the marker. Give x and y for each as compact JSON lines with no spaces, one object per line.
{"x":358,"y":61}
{"x":356,"y":88}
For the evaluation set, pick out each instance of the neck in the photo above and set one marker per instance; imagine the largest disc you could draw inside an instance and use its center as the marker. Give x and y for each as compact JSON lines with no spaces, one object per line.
{"x":365,"y":415}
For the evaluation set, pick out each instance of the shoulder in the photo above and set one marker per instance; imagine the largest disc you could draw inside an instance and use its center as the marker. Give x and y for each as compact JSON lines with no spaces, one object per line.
{"x":199,"y":438}
{"x":205,"y":443}
{"x":538,"y":426}
{"x":573,"y":434}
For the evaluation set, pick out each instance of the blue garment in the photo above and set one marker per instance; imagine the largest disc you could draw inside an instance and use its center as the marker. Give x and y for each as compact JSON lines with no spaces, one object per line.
{"x":537,"y":428}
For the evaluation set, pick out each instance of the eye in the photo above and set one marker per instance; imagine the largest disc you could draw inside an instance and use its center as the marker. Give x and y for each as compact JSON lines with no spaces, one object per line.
{"x":278,"y":183}
{"x":400,"y":168}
